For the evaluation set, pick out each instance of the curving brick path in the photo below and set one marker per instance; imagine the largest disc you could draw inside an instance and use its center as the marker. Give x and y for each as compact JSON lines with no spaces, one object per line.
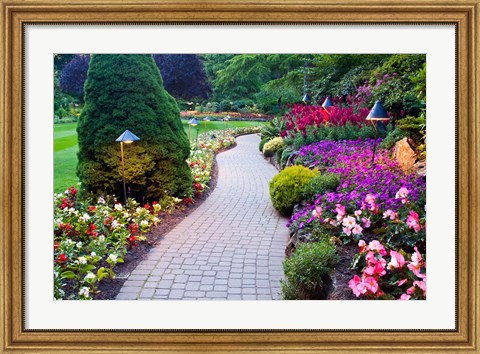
{"x":230,"y":248}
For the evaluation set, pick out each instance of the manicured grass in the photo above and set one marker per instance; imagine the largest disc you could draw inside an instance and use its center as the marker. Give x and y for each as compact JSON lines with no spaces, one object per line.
{"x":66,"y":148}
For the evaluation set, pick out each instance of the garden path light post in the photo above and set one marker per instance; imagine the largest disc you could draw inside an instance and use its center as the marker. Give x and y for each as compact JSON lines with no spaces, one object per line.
{"x":378,"y":113}
{"x":192,"y":122}
{"x":205,"y":120}
{"x":225,"y":121}
{"x":126,"y":137}
{"x":327,"y":104}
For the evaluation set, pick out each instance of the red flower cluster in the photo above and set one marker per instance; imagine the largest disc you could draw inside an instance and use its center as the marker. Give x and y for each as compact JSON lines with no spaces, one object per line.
{"x":187,"y":201}
{"x":69,"y":200}
{"x":91,"y":230}
{"x":302,"y":117}
{"x":133,"y":229}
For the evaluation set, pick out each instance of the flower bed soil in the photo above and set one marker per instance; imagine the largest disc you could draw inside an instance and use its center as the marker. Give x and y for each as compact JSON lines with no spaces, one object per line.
{"x":109,"y":288}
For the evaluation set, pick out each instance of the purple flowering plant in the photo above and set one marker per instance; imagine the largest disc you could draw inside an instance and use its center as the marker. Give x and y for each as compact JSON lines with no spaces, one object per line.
{"x":382,"y":183}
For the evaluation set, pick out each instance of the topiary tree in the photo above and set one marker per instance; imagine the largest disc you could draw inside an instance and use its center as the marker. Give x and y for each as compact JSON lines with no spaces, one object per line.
{"x":125,"y":91}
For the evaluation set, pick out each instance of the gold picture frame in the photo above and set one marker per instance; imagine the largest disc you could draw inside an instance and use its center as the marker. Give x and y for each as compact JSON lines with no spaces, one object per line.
{"x":464,"y":14}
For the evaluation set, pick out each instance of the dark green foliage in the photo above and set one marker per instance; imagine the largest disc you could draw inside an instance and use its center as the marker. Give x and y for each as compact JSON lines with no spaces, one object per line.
{"x":286,"y":188}
{"x":319,"y":185}
{"x":126,"y":92}
{"x":273,"y":128}
{"x":307,"y":270}
{"x":392,"y":138}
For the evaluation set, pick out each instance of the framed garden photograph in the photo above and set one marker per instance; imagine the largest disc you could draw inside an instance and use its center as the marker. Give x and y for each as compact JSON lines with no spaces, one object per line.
{"x":176,"y":174}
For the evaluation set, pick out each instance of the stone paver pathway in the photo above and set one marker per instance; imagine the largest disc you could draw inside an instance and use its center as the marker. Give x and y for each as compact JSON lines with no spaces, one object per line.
{"x":231,"y":247}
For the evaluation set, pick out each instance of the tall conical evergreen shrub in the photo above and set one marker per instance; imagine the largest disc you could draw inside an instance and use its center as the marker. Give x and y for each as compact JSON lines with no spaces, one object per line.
{"x":125,"y":91}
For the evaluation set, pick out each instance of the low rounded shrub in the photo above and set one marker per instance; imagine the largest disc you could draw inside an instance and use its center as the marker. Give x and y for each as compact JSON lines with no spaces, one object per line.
{"x":262,"y":143}
{"x":320,"y":184}
{"x":307,"y":270}
{"x":272,"y":146}
{"x":286,"y":188}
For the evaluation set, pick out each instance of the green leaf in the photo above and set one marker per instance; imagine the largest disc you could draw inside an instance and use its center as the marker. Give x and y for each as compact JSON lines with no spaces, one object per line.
{"x":102,"y":273}
{"x":68,"y":275}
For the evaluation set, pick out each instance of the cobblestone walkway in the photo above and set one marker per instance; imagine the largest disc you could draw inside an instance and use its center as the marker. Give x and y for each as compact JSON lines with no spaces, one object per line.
{"x":229,"y":248}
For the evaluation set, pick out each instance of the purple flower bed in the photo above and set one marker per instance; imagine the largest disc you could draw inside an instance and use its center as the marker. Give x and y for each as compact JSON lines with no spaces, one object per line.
{"x":352,"y":161}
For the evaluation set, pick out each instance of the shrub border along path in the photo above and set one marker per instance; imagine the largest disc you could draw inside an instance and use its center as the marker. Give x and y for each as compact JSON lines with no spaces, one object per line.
{"x":230,"y":248}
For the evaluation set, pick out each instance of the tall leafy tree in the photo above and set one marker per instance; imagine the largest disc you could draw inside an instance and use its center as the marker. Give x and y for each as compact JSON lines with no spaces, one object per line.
{"x":183,"y":75}
{"x":126,"y":92}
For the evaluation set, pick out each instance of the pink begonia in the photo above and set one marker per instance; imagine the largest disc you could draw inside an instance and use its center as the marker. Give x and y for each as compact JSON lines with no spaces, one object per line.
{"x":397,"y":261}
{"x":362,"y":244}
{"x":422,"y":285}
{"x":413,"y":222}
{"x":357,"y":286}
{"x":358,"y":213}
{"x":391,"y":214}
{"x":370,"y":198}
{"x":416,"y":264}
{"x":317,"y":212}
{"x":411,"y":290}
{"x":402,"y":193}
{"x":377,"y":246}
{"x":370,"y":258}
{"x":349,"y":222}
{"x":404,"y":297}
{"x":371,"y":284}
{"x":357,"y":230}
{"x":340,"y":209}
{"x":401,"y":282}
{"x":377,"y":269}
{"x":347,"y":231}
{"x":366,"y":223}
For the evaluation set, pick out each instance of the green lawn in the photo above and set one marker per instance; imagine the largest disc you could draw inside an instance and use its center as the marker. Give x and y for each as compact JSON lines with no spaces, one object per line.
{"x":66,"y":148}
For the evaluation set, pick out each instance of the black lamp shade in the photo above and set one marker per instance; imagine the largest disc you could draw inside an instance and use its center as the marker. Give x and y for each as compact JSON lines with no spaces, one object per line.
{"x":127,"y":135}
{"x":306,"y":98}
{"x":206,"y":119}
{"x":193,"y":121}
{"x":327,"y":103}
{"x":378,"y":112}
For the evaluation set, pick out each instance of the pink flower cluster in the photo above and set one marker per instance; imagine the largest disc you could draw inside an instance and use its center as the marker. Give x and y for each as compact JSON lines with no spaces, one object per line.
{"x":380,"y":278}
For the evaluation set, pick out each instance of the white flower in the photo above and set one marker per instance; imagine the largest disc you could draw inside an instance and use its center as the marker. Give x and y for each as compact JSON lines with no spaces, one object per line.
{"x":85,"y":217}
{"x":139,"y":210}
{"x":93,"y":254}
{"x":115,"y":224}
{"x":118,"y":207}
{"x":82,"y":260}
{"x":144,"y":223}
{"x":112,"y":258}
{"x":79,"y":245}
{"x":156,"y":220}
{"x":101,"y":200}
{"x":90,"y":275}
{"x":101,"y":238}
{"x":126,"y":215}
{"x":69,"y":242}
{"x":84,"y":291}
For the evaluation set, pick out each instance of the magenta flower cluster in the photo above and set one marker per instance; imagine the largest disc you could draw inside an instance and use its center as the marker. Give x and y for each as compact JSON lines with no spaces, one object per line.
{"x":359,"y":177}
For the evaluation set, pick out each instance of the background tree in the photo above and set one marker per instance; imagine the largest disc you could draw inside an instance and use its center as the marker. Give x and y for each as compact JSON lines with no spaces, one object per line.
{"x":126,"y":92}
{"x":72,"y":77}
{"x":183,"y":75}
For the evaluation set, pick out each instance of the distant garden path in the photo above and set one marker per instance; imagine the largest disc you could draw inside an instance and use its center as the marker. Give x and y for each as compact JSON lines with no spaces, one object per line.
{"x":231,"y":247}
